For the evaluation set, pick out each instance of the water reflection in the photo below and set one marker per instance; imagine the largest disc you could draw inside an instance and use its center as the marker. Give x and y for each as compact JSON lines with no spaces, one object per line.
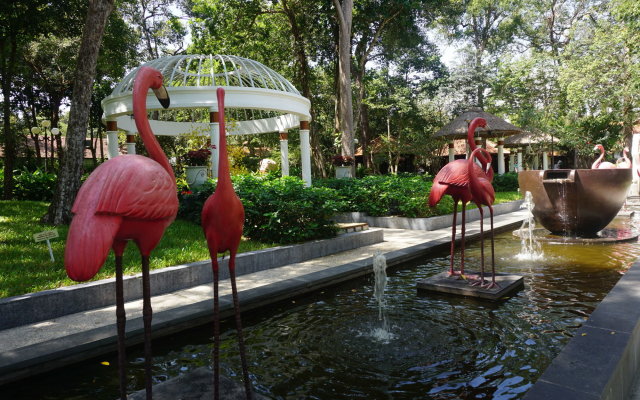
{"x":443,"y":348}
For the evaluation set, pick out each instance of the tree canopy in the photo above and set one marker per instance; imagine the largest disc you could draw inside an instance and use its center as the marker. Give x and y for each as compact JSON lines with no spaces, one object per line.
{"x":374,"y":71}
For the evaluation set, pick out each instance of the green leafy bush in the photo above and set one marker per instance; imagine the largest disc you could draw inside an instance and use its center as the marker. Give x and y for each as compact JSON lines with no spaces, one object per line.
{"x":277,"y":210}
{"x":37,"y":185}
{"x":380,"y":195}
{"x":506,"y":183}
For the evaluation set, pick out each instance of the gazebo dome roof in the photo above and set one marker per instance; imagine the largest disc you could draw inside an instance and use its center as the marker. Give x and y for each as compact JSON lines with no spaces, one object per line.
{"x":257,"y":98}
{"x":197,"y":70}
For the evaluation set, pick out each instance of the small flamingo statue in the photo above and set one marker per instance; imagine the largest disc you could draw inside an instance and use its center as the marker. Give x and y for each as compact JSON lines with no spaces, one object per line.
{"x":129,"y":197}
{"x":598,"y":163}
{"x":624,"y":162}
{"x":453,"y":179}
{"x":222,"y":222}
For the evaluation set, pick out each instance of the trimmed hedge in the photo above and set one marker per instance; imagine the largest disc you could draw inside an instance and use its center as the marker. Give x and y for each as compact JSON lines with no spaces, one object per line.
{"x":506,"y":183}
{"x":278,"y":210}
{"x":380,"y":195}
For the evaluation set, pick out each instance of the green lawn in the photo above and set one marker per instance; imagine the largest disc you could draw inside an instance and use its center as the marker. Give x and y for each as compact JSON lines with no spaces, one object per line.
{"x":25,"y":266}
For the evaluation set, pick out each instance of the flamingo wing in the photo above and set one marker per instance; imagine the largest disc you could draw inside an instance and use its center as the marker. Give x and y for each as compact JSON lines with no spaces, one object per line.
{"x":454,"y":174}
{"x":132,"y":186}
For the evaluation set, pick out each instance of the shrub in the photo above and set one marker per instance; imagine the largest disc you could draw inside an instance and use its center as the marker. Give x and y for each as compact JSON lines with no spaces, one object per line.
{"x":279,"y":210}
{"x":37,"y":185}
{"x":380,"y":195}
{"x":506,"y":183}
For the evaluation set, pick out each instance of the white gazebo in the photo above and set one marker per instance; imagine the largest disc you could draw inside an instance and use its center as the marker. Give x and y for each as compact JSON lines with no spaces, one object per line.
{"x":258,"y":100}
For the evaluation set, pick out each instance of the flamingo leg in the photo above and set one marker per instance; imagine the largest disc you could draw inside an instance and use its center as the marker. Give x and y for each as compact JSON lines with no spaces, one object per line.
{"x":216,"y":330}
{"x":236,"y":306}
{"x":121,"y":320}
{"x":146,"y":317}
{"x":493,"y":283}
{"x":480,"y":281}
{"x":453,"y":237}
{"x":464,"y":229}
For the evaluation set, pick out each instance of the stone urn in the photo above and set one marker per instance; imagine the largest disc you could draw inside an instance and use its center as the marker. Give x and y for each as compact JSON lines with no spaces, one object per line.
{"x":576,"y":202}
{"x":343,"y":172}
{"x":196,"y":175}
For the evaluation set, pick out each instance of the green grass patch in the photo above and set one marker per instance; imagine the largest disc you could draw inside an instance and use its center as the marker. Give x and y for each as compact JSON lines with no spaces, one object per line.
{"x":25,"y":266}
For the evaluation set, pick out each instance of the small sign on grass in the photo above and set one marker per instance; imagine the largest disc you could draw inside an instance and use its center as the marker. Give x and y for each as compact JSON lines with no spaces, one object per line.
{"x":47,"y":235}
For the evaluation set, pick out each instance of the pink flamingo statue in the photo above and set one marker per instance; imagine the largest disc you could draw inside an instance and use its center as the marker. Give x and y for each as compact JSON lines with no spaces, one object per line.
{"x":453,"y":179}
{"x":598,"y":163}
{"x":482,"y":193}
{"x":624,"y":162}
{"x":222,"y":222}
{"x":129,"y":197}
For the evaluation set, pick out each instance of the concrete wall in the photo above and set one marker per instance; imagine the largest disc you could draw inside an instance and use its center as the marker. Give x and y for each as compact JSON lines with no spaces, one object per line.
{"x":425,"y":224}
{"x":29,"y":308}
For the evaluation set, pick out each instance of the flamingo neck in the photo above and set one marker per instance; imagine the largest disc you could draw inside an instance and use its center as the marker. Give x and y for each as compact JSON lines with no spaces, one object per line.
{"x":597,"y":162}
{"x":472,"y":142}
{"x":224,"y":176}
{"x":140,"y":90}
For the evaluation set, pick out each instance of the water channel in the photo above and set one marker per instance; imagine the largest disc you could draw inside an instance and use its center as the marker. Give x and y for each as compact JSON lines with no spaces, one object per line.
{"x":325,"y":346}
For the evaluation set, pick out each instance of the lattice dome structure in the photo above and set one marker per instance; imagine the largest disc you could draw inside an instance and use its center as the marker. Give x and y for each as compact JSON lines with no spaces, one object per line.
{"x":257,"y":99}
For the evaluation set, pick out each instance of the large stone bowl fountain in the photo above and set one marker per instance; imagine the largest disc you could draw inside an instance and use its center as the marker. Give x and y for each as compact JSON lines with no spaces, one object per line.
{"x":576,"y":202}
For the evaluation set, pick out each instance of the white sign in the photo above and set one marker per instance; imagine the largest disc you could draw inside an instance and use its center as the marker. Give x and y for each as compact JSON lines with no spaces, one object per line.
{"x":47,"y":235}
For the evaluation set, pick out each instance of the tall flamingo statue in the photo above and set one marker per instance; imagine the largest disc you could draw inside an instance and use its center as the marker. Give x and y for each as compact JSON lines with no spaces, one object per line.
{"x":598,"y":163}
{"x":482,"y":193}
{"x":222,"y":222}
{"x":624,"y":162}
{"x":129,"y":197}
{"x":453,"y":179}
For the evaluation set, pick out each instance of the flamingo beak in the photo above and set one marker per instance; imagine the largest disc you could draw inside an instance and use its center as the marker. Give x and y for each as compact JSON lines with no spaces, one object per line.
{"x":163,"y":96}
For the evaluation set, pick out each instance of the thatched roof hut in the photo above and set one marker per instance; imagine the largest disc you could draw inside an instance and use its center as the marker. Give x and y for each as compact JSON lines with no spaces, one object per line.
{"x":497,"y":127}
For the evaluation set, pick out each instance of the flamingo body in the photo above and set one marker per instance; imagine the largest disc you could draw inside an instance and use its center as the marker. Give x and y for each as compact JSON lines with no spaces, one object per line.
{"x":129,"y":197}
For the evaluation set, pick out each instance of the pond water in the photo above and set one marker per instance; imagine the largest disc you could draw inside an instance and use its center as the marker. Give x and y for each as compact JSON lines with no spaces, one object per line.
{"x":327,"y":346}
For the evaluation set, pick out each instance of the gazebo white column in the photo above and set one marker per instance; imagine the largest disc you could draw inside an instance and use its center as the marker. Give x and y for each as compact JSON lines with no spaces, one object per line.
{"x":500,"y":156}
{"x":512,"y":160}
{"x":520,"y":167}
{"x":112,"y":139}
{"x":214,"y":135}
{"x":536,"y":162}
{"x":635,"y":163}
{"x":131,"y":144}
{"x":305,"y":152}
{"x":545,"y":160}
{"x":452,"y":151}
{"x":284,"y":153}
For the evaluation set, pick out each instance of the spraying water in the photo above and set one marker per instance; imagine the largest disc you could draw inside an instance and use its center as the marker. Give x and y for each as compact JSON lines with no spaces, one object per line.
{"x":530,"y":247}
{"x":382,"y":333}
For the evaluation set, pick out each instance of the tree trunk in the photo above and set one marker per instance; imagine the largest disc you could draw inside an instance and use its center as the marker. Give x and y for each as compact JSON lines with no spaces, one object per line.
{"x":345,"y":106}
{"x":305,"y":83}
{"x":71,"y":169}
{"x":8,"y":49}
